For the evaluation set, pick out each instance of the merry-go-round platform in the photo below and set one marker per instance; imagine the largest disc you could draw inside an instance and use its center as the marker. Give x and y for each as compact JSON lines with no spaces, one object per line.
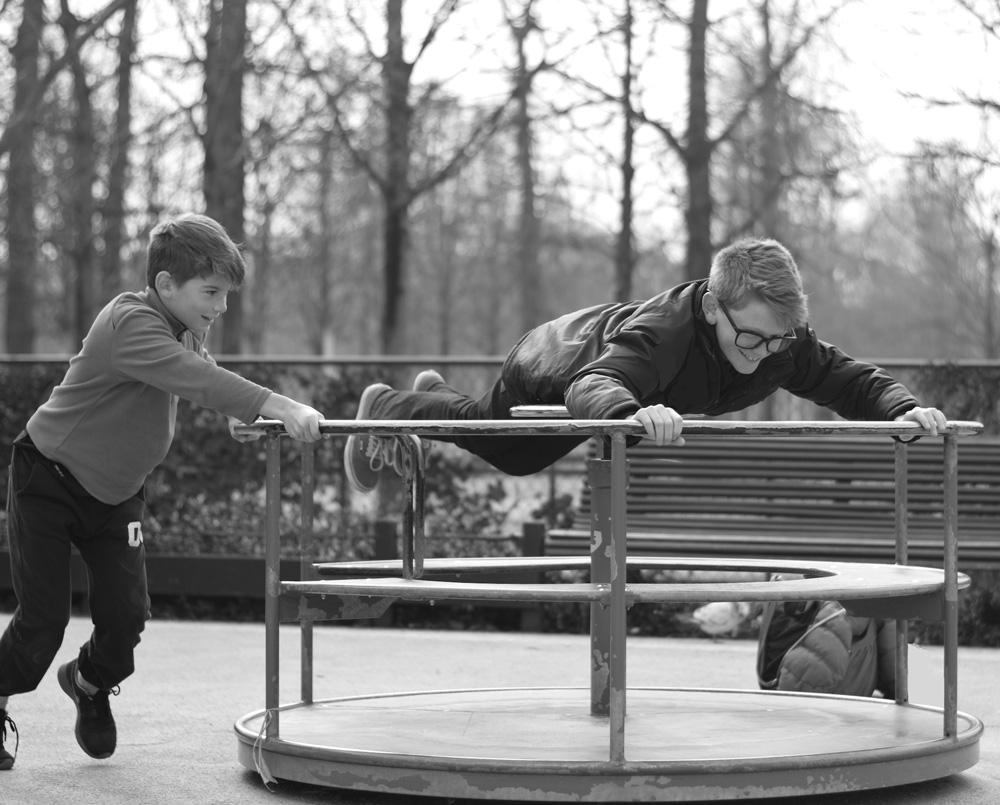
{"x":611,"y":742}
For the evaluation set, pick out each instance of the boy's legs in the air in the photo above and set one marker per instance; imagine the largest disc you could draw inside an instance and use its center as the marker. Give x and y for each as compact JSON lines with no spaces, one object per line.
{"x":433,"y":399}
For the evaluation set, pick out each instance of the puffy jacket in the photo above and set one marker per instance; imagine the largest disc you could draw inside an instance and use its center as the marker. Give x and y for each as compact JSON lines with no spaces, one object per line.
{"x":817,"y":647}
{"x":607,"y":361}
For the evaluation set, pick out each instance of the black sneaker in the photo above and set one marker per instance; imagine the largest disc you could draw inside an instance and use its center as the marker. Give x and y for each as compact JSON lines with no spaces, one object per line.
{"x":95,"y":726}
{"x":6,"y":758}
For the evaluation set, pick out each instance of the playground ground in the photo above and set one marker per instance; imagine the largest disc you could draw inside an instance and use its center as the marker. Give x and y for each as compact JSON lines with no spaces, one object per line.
{"x":193,"y":679}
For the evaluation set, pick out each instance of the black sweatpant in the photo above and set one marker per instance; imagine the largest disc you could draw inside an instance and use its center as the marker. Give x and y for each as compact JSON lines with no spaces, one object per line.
{"x":48,"y":511}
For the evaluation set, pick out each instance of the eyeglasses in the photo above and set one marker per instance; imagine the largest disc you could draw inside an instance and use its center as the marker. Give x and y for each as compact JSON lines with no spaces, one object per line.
{"x":748,"y":339}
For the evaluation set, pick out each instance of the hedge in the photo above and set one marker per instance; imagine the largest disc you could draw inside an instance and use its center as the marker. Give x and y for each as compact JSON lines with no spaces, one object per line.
{"x":207,"y":495}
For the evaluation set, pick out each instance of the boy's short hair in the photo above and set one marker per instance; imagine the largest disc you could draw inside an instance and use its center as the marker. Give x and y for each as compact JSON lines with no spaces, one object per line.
{"x":191,"y":246}
{"x":761,"y":268}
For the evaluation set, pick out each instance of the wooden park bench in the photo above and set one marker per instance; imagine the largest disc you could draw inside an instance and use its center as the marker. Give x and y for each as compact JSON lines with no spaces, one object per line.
{"x":825,"y":498}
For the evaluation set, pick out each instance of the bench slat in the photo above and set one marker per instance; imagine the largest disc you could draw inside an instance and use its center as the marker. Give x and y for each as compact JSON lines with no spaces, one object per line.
{"x":831,"y":495}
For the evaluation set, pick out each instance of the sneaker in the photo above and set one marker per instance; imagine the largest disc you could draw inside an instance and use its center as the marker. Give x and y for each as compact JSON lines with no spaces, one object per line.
{"x":6,"y":758}
{"x":95,"y":726}
{"x":365,"y":456}
{"x":429,"y":380}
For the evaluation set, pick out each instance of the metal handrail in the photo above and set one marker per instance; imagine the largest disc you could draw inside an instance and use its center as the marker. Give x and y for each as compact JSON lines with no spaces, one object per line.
{"x":606,"y":427}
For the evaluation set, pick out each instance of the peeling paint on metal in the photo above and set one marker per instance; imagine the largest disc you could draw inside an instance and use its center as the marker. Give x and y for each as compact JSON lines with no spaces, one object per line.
{"x":272,"y":582}
{"x":599,"y":667}
{"x":610,"y":555}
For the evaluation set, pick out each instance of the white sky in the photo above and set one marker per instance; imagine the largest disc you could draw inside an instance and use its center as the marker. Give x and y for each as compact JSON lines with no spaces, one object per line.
{"x":932,"y":48}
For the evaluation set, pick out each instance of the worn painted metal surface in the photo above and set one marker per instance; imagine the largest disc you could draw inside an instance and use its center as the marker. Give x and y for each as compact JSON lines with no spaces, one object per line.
{"x":311,"y":741}
{"x":541,"y":744}
{"x":607,"y":427}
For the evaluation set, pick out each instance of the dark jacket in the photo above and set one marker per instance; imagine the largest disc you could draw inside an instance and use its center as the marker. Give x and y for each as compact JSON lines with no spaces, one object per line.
{"x":606,"y":362}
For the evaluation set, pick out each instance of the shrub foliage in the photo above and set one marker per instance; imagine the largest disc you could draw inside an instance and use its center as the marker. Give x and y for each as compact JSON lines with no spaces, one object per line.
{"x":208,"y":494}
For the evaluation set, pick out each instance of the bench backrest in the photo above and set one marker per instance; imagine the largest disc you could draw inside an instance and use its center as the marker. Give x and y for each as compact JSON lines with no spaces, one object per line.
{"x":821,"y":484}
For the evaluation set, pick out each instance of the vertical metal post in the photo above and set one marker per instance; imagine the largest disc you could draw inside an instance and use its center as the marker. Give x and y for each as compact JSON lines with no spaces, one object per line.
{"x":408,"y":470}
{"x":619,"y":483}
{"x":307,"y":550}
{"x":599,"y":480}
{"x":272,"y":580}
{"x":902,"y":558}
{"x":950,"y":585}
{"x":419,"y":544}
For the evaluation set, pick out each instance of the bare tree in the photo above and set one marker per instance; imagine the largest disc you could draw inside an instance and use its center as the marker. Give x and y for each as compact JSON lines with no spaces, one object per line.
{"x":225,"y":153}
{"x":625,"y":248}
{"x":113,"y":207}
{"x":17,"y":140}
{"x":787,"y":153}
{"x":696,"y":153}
{"x":22,"y":180}
{"x":957,"y":182}
{"x":987,"y":14}
{"x":521,"y":26}
{"x":770,"y":132}
{"x":25,"y":110}
{"x":324,"y":341}
{"x":620,"y":39}
{"x":698,"y":145}
{"x":956,"y":224}
{"x":78,"y":200}
{"x":391,"y":168}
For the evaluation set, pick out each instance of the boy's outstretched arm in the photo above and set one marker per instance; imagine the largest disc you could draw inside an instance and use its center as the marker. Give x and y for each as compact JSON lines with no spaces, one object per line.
{"x":301,"y":421}
{"x":928,"y":418}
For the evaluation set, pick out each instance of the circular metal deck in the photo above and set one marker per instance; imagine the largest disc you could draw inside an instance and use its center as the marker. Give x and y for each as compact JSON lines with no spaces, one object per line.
{"x":543,"y":744}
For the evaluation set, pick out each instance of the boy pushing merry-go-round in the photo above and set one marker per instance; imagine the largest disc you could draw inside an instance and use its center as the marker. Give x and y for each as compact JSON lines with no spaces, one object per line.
{"x":77,"y":471}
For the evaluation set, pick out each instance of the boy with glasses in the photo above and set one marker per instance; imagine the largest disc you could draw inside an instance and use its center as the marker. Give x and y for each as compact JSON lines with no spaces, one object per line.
{"x":705,"y":347}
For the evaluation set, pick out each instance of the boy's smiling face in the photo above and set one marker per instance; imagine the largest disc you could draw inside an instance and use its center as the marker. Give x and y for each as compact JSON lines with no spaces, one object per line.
{"x":756,"y":317}
{"x":196,"y":303}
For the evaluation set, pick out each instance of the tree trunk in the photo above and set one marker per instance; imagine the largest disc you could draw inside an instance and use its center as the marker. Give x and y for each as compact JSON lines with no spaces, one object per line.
{"x":624,"y":248}
{"x":770,"y":134}
{"x":529,"y":280}
{"x":257,"y":328}
{"x":113,"y":209}
{"x":992,"y":342}
{"x":396,"y":79}
{"x":324,"y":341}
{"x":22,"y":179}
{"x":225,"y":64}
{"x":698,"y":151}
{"x":78,"y":200}
{"x":447,"y":228}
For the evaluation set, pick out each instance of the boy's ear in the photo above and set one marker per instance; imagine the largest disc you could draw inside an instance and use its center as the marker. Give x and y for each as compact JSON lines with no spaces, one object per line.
{"x":711,"y":307}
{"x":164,"y":283}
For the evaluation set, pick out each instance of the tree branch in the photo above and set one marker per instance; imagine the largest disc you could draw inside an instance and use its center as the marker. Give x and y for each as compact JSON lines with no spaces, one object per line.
{"x":445,"y":10}
{"x":87,"y":30}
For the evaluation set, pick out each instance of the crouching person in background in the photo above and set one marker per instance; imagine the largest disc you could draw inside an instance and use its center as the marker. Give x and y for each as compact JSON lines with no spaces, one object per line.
{"x":818,"y":647}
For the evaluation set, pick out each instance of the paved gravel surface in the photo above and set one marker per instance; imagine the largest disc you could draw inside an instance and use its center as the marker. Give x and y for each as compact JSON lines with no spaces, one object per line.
{"x":175,"y":716}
